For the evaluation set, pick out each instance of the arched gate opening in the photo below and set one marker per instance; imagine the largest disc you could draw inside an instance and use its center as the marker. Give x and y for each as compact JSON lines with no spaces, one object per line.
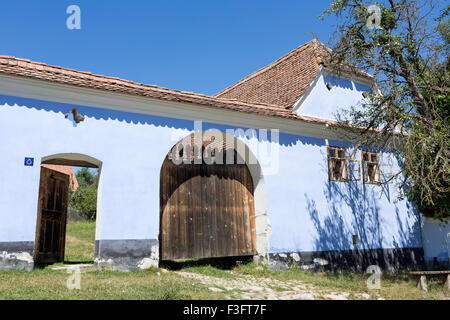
{"x":206,"y":205}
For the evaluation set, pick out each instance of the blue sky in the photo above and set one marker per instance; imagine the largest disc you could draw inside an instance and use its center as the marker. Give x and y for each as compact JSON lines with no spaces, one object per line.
{"x":200,"y":46}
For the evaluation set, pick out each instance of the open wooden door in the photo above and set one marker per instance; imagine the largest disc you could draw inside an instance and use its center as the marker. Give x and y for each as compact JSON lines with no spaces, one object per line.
{"x":52,"y":216}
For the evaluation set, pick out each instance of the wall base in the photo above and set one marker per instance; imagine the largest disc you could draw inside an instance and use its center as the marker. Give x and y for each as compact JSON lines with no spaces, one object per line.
{"x":437,"y":265}
{"x":17,"y":255}
{"x":126,"y":255}
{"x":349,"y":260}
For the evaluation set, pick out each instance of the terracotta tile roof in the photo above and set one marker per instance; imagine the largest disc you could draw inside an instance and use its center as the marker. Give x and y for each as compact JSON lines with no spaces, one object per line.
{"x":41,"y":71}
{"x":282,"y":82}
{"x":68,"y":170}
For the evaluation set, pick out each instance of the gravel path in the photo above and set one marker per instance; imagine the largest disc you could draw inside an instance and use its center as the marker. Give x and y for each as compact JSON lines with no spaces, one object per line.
{"x":250,"y":288}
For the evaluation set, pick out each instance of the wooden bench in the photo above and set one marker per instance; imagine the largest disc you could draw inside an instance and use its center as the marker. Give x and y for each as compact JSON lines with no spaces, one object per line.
{"x":423,"y":278}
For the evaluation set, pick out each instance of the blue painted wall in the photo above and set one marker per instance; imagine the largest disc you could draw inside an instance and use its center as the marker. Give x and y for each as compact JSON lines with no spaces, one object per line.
{"x":436,"y":240}
{"x":327,"y":104}
{"x":307,"y":212}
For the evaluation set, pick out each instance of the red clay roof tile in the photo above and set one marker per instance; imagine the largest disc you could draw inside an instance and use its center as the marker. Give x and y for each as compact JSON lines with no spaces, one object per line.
{"x":282,"y":82}
{"x":292,"y":77}
{"x":68,"y":170}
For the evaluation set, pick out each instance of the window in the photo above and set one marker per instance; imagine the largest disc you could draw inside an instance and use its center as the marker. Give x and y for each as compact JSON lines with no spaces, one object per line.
{"x":371,"y":167}
{"x":355,"y":239}
{"x":337,"y":164}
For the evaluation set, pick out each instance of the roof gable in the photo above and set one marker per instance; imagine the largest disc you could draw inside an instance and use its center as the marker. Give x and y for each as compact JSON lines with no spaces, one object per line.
{"x":282,"y":82}
{"x":272,"y":91}
{"x":24,"y":68}
{"x":40,"y":71}
{"x":332,"y":93}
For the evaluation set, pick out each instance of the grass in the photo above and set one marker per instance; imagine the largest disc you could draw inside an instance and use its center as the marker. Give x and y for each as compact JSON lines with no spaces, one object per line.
{"x":49,"y":284}
{"x":80,"y":242}
{"x":45,"y":283}
{"x":153,"y":283}
{"x":393,"y":286}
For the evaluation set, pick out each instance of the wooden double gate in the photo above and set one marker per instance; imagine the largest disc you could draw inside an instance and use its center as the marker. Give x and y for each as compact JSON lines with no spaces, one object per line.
{"x":206,"y":211}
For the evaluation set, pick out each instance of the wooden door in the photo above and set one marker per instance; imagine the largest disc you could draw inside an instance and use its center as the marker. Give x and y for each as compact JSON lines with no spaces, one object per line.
{"x":206,"y":211}
{"x":52,"y":216}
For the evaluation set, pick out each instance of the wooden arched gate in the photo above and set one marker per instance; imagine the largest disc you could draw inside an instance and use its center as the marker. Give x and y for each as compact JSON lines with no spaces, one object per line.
{"x":206,"y":211}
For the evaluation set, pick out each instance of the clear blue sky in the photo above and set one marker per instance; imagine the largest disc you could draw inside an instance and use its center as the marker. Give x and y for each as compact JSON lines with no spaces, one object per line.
{"x":198,"y":45}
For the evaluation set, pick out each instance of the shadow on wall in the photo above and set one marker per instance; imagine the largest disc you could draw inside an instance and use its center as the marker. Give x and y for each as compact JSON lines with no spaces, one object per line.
{"x":339,"y":82}
{"x":353,"y":208}
{"x":136,"y":118}
{"x":96,"y":113}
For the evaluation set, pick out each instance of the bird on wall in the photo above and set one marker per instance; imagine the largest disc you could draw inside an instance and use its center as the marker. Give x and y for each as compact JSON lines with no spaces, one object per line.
{"x":76,"y":116}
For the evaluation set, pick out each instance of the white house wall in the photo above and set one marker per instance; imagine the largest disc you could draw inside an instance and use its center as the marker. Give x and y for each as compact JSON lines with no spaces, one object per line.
{"x":308,"y":217}
{"x":436,"y":241}
{"x":322,"y":103}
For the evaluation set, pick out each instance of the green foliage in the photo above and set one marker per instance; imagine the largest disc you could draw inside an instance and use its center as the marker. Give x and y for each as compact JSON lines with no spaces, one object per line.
{"x":85,"y":177}
{"x":408,"y":113}
{"x":84,"y":198}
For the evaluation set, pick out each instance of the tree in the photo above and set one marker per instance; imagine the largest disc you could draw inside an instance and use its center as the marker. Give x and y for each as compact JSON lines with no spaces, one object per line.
{"x":404,"y":44}
{"x":85,"y":198}
{"x":85,"y":177}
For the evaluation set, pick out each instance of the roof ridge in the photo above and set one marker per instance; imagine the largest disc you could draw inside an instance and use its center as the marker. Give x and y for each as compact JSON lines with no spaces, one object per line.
{"x":285,"y":80}
{"x":267,"y":67}
{"x":40,"y":71}
{"x":138,"y":84}
{"x":257,"y":104}
{"x":97,"y":77}
{"x":320,"y":56}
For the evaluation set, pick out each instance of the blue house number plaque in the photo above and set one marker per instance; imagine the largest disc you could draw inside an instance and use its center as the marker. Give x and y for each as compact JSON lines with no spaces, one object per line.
{"x":29,"y":162}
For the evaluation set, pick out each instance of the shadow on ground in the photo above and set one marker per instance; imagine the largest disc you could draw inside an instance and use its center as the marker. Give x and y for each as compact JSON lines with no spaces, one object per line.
{"x":226,"y":263}
{"x":79,"y":262}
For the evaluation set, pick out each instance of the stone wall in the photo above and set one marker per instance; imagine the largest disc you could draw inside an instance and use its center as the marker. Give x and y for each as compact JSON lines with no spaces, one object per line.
{"x":391,"y":260}
{"x":17,"y":255}
{"x":126,"y":255}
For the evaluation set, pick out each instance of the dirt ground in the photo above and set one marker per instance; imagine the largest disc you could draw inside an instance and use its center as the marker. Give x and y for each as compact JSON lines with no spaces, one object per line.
{"x":250,"y":288}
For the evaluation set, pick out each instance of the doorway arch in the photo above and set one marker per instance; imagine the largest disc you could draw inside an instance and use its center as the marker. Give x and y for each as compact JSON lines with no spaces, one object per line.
{"x":53,"y":204}
{"x":210,"y":208}
{"x":72,"y":159}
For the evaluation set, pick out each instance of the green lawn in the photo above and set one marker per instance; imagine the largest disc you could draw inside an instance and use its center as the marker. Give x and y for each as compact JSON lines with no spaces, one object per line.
{"x":80,"y":242}
{"x":45,"y":283}
{"x":156,"y":283}
{"x":393,"y":286}
{"x":49,"y":284}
